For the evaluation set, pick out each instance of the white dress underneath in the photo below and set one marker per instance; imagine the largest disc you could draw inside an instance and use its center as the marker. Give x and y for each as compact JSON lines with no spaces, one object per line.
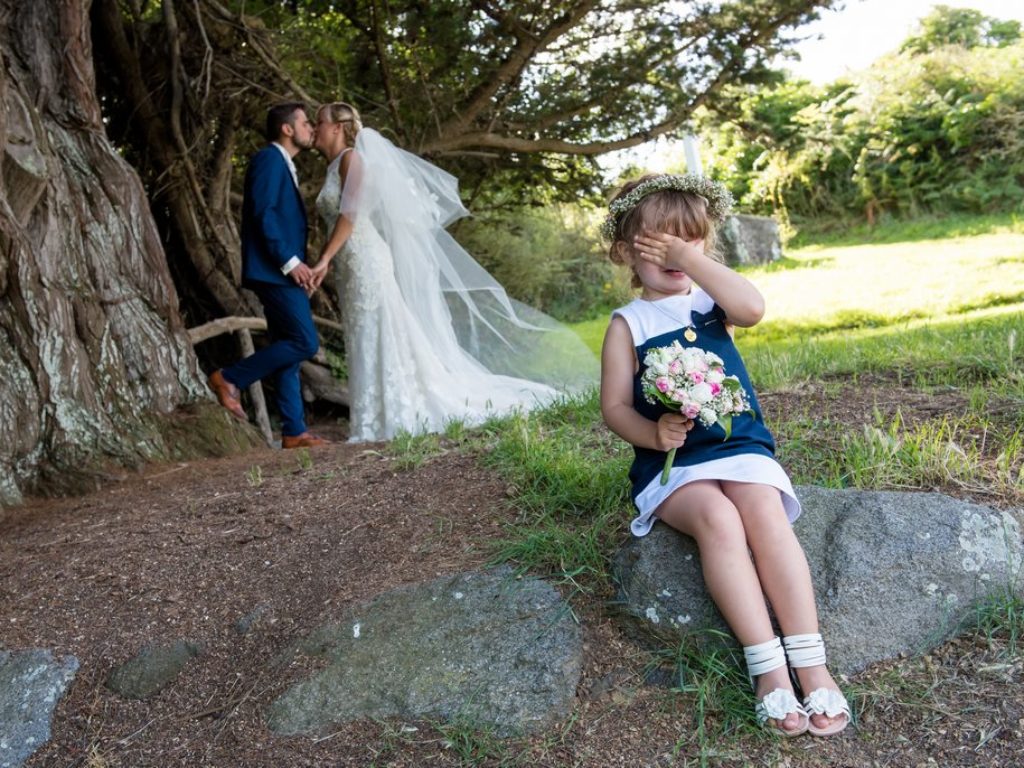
{"x":401,"y":380}
{"x":646,"y":320}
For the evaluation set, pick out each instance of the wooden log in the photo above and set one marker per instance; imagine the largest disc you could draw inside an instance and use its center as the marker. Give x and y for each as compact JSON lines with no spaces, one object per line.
{"x":317,"y":381}
{"x":319,"y":384}
{"x":206,"y":331}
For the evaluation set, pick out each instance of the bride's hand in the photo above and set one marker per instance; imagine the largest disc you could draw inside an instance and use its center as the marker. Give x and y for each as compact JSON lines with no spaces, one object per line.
{"x":319,"y":273}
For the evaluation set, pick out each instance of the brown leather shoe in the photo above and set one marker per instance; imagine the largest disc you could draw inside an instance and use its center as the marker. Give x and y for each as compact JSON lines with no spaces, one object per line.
{"x":305,"y":440}
{"x":227,"y":395}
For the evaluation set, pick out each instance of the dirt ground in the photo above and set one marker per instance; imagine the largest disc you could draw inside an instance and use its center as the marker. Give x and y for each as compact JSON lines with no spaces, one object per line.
{"x":186,"y":550}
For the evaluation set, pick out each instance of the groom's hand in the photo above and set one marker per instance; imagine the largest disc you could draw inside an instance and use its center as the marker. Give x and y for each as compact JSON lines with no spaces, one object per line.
{"x":302,"y":275}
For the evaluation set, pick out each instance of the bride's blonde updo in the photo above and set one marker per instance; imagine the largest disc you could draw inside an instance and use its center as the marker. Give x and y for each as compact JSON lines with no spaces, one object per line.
{"x":347,"y":116}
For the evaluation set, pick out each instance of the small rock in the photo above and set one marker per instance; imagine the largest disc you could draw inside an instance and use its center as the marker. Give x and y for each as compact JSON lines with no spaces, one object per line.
{"x":151,"y":670}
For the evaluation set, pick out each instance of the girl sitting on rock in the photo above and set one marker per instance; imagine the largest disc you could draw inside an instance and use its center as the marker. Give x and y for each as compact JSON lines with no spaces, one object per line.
{"x":730,"y":494}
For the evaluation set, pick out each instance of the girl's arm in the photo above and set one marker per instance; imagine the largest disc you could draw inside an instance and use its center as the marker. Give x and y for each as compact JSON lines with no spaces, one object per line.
{"x":618,"y":364}
{"x":339,"y":235}
{"x":742,"y":302}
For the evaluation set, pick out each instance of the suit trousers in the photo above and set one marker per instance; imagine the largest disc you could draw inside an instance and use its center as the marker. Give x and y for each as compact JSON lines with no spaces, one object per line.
{"x":293,"y":338}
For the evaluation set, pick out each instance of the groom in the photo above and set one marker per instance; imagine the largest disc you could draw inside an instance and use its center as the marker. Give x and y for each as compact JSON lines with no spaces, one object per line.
{"x":274,"y":268}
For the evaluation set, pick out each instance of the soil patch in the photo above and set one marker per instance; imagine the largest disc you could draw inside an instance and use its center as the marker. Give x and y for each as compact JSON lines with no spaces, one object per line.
{"x":288,"y":540}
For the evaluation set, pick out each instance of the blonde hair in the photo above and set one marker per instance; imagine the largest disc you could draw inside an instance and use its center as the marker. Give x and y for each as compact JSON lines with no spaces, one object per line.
{"x":683,"y":214}
{"x":347,"y":116}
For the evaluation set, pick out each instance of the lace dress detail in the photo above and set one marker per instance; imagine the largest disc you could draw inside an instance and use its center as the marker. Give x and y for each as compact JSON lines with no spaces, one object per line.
{"x":399,"y":379}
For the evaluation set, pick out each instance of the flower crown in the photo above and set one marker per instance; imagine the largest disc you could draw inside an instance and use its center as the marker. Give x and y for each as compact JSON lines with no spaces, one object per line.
{"x":718,"y":198}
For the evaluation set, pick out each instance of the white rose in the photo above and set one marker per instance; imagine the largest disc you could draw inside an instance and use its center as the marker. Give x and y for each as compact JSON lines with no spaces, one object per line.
{"x":708,"y":416}
{"x":715,"y":376}
{"x":701,"y":393}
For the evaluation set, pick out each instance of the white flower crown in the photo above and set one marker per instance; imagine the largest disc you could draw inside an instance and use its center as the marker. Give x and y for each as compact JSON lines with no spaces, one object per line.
{"x":719,"y":199}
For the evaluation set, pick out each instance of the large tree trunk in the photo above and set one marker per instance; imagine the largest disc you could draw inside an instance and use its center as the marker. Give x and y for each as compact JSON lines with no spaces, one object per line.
{"x":93,"y":351}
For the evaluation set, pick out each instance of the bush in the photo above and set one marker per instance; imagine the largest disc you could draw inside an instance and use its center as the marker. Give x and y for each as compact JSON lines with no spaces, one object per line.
{"x":550,"y":258}
{"x":918,"y":132}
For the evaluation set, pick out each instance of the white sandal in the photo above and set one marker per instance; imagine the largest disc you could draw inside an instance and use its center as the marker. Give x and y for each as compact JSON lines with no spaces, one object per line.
{"x":763,"y":658}
{"x":809,"y":651}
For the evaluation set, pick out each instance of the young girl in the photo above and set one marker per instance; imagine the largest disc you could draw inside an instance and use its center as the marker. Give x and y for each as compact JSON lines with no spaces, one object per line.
{"x":730,"y":495}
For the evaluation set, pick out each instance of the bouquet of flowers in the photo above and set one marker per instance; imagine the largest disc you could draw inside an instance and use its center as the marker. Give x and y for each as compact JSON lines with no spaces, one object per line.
{"x":692,"y":382}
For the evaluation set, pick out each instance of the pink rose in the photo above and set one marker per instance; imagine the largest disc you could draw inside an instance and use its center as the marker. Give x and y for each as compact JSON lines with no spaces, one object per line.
{"x":715,"y":387}
{"x":691,"y":411}
{"x":662,"y":383}
{"x":674,"y":366}
{"x":697,"y":377}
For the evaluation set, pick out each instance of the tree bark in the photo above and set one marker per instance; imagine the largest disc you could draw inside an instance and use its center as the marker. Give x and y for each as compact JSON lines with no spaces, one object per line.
{"x":93,"y":350}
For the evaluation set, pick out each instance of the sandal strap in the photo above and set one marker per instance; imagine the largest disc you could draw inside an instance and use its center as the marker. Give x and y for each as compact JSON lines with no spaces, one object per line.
{"x":764,"y":657}
{"x":805,"y":650}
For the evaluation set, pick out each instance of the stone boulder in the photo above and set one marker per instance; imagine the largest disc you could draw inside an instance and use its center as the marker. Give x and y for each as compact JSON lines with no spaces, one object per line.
{"x":152,"y":669}
{"x":744,"y":239}
{"x":31,"y":684}
{"x":893,"y":572}
{"x":482,"y":647}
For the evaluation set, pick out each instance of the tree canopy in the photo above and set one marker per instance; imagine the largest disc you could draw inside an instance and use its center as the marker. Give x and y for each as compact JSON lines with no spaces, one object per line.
{"x":964,"y":27}
{"x":935,"y":126}
{"x":515,"y":98}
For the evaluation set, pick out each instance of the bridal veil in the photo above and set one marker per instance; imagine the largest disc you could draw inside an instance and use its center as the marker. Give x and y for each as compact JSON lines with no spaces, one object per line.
{"x":455,"y":300}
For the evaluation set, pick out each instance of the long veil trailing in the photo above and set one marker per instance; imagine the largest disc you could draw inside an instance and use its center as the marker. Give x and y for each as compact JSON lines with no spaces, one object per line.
{"x":455,"y":300}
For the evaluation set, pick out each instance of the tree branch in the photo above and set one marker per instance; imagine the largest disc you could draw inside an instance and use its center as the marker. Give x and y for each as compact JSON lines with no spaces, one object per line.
{"x":385,"y":67}
{"x":513,"y":66}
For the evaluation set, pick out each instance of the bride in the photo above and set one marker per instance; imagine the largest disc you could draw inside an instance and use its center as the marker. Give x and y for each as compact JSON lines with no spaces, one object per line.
{"x":430,"y":336}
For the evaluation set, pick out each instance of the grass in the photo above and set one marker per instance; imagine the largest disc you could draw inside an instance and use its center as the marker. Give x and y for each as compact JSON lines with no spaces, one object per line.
{"x":707,"y":669}
{"x":935,"y":307}
{"x":930,"y":315}
{"x":567,"y":474}
{"x":835,"y":233}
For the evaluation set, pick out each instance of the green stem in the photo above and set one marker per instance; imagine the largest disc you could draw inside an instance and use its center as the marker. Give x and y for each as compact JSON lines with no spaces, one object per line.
{"x":668,"y":466}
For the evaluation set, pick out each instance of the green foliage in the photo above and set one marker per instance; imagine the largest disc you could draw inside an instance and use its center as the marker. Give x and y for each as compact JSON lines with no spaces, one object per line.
{"x":549,"y":258}
{"x":964,"y":27}
{"x":938,"y":127}
{"x":514,"y":98}
{"x":568,"y":474}
{"x":707,"y":668}
{"x":929,"y":227}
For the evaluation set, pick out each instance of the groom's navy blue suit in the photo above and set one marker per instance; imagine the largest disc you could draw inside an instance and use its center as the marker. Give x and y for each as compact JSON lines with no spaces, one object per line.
{"x":274,"y":232}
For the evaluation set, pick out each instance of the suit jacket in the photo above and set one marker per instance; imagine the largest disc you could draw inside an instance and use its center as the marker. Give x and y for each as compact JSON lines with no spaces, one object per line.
{"x":273,"y":219}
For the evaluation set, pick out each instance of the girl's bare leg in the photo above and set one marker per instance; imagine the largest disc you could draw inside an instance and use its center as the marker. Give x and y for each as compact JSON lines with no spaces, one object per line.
{"x":701,"y":510}
{"x":782,"y":569}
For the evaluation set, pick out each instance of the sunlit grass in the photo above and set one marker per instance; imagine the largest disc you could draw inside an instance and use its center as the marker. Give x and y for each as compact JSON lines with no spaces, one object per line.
{"x":875,"y":284}
{"x":820,"y":290}
{"x":912,"y":230}
{"x":954,"y":351}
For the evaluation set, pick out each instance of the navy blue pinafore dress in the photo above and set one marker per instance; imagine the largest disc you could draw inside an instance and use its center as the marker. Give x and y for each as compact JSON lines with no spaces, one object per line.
{"x":748,"y":454}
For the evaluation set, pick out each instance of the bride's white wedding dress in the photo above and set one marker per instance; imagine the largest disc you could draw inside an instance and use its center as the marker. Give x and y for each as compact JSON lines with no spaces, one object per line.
{"x":430,"y":337}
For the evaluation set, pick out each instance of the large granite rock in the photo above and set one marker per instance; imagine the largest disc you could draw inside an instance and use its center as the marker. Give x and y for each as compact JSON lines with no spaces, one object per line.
{"x":893,"y":572}
{"x":152,"y":669}
{"x":31,"y":684}
{"x":744,"y":239}
{"x":486,"y":648}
